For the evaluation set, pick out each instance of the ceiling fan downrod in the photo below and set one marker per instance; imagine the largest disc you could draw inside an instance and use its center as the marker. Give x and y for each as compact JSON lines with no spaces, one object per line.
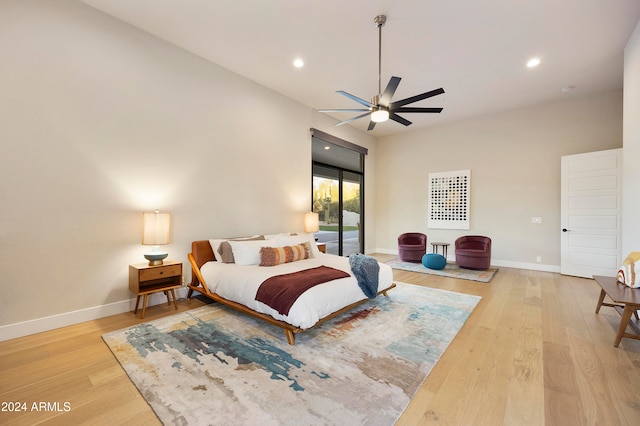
{"x":379,"y":20}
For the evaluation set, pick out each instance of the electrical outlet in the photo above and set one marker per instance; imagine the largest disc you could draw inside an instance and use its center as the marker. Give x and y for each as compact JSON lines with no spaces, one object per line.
{"x":536,"y":220}
{"x":539,"y":259}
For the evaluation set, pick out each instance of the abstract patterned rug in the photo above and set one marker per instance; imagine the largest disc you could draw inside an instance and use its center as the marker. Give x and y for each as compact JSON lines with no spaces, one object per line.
{"x":451,"y":270}
{"x":212,"y":365}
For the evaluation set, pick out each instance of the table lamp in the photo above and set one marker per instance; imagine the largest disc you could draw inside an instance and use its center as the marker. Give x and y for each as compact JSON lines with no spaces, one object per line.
{"x":156,"y":231}
{"x":311,"y":223}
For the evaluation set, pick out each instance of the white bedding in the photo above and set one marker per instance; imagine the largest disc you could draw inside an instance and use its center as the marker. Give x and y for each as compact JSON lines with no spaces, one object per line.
{"x":240,"y":283}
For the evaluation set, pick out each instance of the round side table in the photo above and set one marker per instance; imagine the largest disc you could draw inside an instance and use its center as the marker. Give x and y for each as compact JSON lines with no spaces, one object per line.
{"x":445,"y":246}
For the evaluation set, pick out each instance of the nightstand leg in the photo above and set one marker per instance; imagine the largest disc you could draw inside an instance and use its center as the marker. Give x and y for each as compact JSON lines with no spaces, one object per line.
{"x":144,"y":305}
{"x":166,"y":293}
{"x":175,"y":302}
{"x":137,"y":301}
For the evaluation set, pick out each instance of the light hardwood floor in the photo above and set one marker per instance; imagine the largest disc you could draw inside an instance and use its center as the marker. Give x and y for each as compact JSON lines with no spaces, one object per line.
{"x":532,"y":353}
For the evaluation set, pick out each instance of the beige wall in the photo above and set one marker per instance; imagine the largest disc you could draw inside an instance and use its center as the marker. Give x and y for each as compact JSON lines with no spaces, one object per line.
{"x":631,"y":169}
{"x":514,"y":159}
{"x":99,"y":122}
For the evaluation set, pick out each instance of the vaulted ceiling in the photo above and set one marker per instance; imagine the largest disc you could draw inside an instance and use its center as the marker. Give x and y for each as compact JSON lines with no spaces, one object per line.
{"x":476,"y":50}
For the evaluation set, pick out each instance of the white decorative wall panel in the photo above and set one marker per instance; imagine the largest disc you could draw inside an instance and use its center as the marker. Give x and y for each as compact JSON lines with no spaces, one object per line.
{"x":449,"y":199}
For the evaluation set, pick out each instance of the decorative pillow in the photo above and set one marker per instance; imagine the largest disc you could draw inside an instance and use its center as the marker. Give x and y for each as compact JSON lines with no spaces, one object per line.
{"x":629,"y":272}
{"x":299,"y":239}
{"x":247,"y":252}
{"x":272,"y":256}
{"x":225,"y":251}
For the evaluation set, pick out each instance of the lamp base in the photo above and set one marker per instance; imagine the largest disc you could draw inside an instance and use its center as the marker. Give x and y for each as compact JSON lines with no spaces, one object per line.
{"x":155,"y":259}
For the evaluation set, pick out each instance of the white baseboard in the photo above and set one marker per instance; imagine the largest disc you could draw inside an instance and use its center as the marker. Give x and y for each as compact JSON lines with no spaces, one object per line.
{"x":20,"y":329}
{"x":530,"y":266}
{"x":495,"y":262}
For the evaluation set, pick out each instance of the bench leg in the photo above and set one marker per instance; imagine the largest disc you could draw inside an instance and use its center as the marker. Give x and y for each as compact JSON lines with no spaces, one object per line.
{"x":600,"y":300}
{"x":624,"y":322}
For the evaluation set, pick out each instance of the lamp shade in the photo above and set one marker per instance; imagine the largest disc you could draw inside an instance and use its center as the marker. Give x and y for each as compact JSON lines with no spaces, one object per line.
{"x":311,"y":223}
{"x":156,"y":228}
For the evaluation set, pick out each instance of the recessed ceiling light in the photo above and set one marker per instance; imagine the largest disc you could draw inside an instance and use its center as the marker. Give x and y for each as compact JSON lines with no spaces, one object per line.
{"x":327,"y":147}
{"x":533,"y":62}
{"x":298,"y":63}
{"x":567,"y":89}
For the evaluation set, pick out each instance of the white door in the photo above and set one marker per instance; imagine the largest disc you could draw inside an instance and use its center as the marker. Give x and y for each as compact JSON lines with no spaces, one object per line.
{"x":590,"y":213}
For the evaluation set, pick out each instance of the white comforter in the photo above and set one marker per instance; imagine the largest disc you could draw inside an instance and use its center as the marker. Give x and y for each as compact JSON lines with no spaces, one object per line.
{"x":240,"y":283}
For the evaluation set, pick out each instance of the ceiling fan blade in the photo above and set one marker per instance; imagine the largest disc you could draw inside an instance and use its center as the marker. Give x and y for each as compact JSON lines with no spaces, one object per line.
{"x":355,"y":98}
{"x":395,"y":105}
{"x":418,"y":109}
{"x":386,"y":96}
{"x":372,"y":124}
{"x":344,"y":110}
{"x":353,"y":119}
{"x":395,"y":117}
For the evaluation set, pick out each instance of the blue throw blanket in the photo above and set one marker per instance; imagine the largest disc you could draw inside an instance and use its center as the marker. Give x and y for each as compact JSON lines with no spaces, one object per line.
{"x":366,"y":269}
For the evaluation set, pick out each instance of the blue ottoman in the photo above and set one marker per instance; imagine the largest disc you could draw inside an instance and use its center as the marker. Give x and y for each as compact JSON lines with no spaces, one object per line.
{"x":434,"y":261}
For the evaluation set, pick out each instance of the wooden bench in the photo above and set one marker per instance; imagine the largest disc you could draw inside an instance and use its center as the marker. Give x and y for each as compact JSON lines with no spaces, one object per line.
{"x":626,"y":301}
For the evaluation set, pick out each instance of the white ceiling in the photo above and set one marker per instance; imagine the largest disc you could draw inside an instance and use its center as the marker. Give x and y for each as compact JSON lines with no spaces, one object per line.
{"x":475,"y":49}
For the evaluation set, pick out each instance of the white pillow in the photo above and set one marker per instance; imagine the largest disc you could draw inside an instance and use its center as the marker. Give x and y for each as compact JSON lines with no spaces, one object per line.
{"x":215,"y":245}
{"x":248,"y":252}
{"x":274,"y":236}
{"x":299,"y":239}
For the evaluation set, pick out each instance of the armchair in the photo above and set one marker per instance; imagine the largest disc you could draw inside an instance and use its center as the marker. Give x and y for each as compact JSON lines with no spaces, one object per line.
{"x":412,"y":246}
{"x":473,"y":252}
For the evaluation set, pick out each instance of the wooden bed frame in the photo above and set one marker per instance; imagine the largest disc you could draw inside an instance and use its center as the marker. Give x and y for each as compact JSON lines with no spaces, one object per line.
{"x":202,"y":253}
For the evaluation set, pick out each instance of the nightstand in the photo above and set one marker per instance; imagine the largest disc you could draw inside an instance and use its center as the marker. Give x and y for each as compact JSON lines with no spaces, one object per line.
{"x":322,"y":247}
{"x":145,"y":280}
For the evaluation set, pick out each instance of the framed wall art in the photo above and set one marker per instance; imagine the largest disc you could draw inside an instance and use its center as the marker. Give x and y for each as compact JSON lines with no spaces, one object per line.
{"x":449,"y":199}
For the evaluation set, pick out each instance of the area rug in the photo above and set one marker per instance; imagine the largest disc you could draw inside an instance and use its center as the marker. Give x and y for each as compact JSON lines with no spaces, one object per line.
{"x":450,"y":270}
{"x":213,"y":365}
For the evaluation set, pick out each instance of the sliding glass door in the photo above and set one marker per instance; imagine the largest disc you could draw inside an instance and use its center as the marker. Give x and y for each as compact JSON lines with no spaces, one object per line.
{"x":351,"y":213}
{"x":338,"y":188}
{"x":337,"y":200}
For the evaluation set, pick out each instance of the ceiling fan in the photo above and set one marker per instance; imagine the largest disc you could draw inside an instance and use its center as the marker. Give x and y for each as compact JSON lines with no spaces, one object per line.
{"x":381,"y":108}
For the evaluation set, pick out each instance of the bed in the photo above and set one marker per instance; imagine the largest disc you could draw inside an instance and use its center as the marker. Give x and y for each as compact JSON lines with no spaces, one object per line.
{"x":236,"y":281}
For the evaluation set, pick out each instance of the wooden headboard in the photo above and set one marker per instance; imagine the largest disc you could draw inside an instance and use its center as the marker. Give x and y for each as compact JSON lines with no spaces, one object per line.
{"x":202,"y":253}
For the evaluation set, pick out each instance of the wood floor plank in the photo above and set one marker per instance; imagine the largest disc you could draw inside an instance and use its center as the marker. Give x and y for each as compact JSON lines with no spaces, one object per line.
{"x":562,"y":400}
{"x":533,"y":352}
{"x":593,"y":387}
{"x":526,"y":385}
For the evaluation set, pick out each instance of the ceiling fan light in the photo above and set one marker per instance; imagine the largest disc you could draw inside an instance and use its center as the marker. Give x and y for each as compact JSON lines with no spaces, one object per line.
{"x":379,"y":116}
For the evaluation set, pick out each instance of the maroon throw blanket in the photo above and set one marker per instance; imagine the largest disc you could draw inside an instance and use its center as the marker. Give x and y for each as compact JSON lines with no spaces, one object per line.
{"x":280,"y":292}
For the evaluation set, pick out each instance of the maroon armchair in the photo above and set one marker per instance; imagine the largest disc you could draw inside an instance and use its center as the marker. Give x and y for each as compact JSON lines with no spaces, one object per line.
{"x":473,"y":252}
{"x":412,"y":246}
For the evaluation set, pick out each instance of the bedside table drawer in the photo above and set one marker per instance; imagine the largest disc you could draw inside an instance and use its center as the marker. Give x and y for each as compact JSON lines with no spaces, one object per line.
{"x":160,"y":272}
